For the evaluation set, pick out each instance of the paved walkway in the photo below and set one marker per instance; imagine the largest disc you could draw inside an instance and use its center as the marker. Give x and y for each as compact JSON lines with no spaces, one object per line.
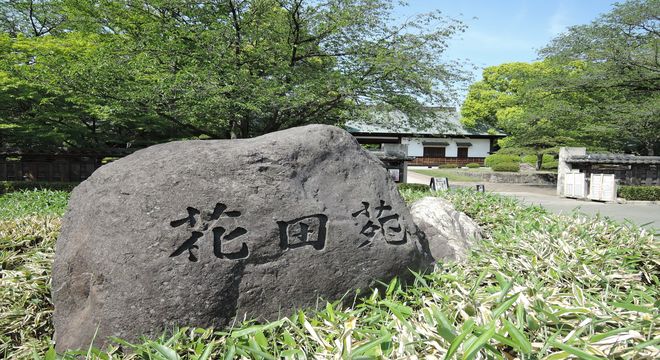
{"x":647,"y":215}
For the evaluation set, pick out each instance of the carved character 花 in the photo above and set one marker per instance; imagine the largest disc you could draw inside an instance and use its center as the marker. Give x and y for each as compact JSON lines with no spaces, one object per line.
{"x":220,"y":234}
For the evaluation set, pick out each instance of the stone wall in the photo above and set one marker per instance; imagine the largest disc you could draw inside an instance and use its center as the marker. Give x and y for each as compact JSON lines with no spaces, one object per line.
{"x":513,"y":178}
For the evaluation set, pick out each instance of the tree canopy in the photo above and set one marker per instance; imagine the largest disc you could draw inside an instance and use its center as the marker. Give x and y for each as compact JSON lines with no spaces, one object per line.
{"x":597,"y":85}
{"x":510,"y":98}
{"x":92,"y":74}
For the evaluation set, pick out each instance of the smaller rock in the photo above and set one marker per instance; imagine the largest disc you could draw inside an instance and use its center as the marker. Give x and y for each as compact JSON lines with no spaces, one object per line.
{"x":450,"y":233}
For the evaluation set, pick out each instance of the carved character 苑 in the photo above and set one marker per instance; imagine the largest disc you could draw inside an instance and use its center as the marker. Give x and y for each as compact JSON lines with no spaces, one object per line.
{"x":385,"y":221}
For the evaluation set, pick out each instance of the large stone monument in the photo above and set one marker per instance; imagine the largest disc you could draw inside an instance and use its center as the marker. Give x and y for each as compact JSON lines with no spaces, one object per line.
{"x":199,"y":233}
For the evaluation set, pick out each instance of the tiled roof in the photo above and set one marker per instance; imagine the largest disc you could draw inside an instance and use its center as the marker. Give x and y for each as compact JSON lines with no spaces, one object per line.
{"x":613,"y":159}
{"x":439,"y":121}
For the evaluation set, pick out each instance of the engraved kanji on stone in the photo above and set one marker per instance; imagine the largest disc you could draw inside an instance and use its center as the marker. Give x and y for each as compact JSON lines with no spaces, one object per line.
{"x":307,"y":230}
{"x":199,"y":225}
{"x":386,"y":223}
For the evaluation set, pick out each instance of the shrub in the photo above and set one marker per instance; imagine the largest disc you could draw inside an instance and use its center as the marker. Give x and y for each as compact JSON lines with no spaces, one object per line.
{"x":511,"y":166}
{"x":647,"y":193}
{"x":11,"y":186}
{"x":447,"y":166}
{"x":550,"y":165}
{"x":501,"y":158}
{"x":413,"y":192}
{"x":531,"y":159}
{"x":473,"y":165}
{"x":415,"y":187}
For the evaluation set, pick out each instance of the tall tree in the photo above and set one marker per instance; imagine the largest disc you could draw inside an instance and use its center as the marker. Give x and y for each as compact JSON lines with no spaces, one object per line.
{"x":30,"y":17}
{"x":509,"y":98}
{"x":158,"y":69}
{"x":598,"y":85}
{"x":621,"y":54}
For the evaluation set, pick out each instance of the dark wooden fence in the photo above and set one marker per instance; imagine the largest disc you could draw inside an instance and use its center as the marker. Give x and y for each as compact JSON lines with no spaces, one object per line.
{"x":65,"y":168}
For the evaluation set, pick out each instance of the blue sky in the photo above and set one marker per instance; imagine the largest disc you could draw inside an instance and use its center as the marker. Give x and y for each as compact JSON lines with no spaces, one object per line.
{"x":503,"y":31}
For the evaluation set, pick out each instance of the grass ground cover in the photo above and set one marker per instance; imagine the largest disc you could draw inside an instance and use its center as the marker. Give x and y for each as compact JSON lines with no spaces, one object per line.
{"x":540,"y":286}
{"x":25,"y":203}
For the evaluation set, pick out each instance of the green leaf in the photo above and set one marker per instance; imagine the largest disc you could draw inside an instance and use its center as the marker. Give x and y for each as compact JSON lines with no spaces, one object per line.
{"x":208,"y":349}
{"x":518,"y":337}
{"x":256,"y":328}
{"x":477,"y":282}
{"x":391,"y":287}
{"x":465,"y":331}
{"x":50,"y":354}
{"x":558,"y":356}
{"x":633,"y":307}
{"x":481,"y":341}
{"x":504,"y":306}
{"x":330,"y":311}
{"x":261,"y":339}
{"x":575,"y":351}
{"x":166,"y":351}
{"x":399,"y":310}
{"x":231,"y":350}
{"x":372,"y":345}
{"x":601,"y":336}
{"x":645,"y":344}
{"x":255,"y":351}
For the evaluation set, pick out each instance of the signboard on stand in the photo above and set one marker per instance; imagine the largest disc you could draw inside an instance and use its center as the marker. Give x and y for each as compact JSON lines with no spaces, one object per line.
{"x":439,"y":184}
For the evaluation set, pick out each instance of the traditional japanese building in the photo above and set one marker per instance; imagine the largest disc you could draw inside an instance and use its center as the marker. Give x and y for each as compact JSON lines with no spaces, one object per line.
{"x":437,"y":138}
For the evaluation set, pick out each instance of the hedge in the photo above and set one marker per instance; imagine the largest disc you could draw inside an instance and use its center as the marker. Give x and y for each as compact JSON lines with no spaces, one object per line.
{"x":647,"y":193}
{"x":500,"y":158}
{"x":415,"y":187}
{"x":447,"y":166}
{"x":473,"y":165}
{"x":11,"y":186}
{"x":550,"y":165}
{"x":510,"y":166}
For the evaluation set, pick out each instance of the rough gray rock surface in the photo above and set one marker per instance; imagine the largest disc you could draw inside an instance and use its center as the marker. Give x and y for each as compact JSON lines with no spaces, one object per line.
{"x":450,"y":233}
{"x":199,"y":233}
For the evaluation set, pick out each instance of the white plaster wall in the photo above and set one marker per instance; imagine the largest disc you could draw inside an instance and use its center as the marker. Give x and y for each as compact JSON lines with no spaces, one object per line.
{"x":415,"y":147}
{"x":479,"y":148}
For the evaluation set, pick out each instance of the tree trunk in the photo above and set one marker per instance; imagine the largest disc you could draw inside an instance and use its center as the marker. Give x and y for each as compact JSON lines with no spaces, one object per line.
{"x":245,"y":128}
{"x":539,"y":161}
{"x":650,"y":151}
{"x":232,"y":129}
